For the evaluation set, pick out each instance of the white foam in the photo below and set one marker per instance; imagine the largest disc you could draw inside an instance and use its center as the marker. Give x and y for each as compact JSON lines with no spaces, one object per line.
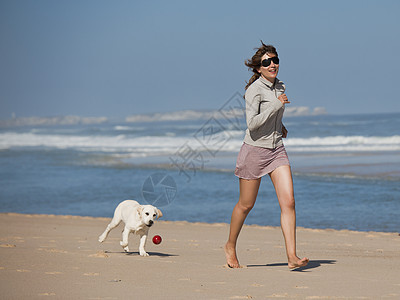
{"x":122,"y":128}
{"x":229,"y":140}
{"x":344,"y":143}
{"x":148,"y":145}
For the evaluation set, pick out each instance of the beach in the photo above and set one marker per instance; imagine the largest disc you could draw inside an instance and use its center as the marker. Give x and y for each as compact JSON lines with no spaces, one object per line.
{"x":59,"y":257}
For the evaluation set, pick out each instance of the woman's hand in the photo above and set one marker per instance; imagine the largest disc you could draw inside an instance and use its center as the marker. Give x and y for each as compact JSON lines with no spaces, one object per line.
{"x":283,"y":98}
{"x":284,"y":132}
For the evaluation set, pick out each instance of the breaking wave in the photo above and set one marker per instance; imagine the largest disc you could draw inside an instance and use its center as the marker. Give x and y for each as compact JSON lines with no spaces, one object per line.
{"x":229,"y":140}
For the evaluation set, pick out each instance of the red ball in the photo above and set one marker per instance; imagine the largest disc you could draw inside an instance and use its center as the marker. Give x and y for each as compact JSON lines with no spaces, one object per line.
{"x":157,"y":239}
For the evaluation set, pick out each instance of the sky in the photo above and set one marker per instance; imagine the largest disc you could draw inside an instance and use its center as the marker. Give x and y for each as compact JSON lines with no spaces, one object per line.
{"x":119,"y":58}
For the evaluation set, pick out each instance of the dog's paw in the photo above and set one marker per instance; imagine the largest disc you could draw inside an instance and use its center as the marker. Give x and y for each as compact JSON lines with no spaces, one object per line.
{"x":143,"y":253}
{"x":101,"y":238}
{"x":126,"y":249}
{"x":123,"y":245}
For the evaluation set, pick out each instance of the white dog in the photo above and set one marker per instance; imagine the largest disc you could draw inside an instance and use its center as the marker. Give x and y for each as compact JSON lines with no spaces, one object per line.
{"x":137,"y":218}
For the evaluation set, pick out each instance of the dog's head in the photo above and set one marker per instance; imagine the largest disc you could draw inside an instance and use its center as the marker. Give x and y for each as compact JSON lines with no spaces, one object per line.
{"x":149,"y":213}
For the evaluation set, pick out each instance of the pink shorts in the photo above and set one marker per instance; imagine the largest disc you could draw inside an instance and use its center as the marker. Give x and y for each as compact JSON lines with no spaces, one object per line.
{"x":255,"y":162}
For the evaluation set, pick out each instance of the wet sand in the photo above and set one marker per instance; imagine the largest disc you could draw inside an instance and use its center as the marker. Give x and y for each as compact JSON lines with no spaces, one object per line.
{"x":59,"y":257}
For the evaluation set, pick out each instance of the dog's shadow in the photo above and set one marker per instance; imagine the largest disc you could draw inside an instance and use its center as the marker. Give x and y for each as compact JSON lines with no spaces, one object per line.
{"x":159,"y":254}
{"x":312,"y":264}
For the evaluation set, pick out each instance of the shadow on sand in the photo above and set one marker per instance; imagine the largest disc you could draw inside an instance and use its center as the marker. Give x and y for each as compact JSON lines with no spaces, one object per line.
{"x":311,"y":265}
{"x":159,"y":254}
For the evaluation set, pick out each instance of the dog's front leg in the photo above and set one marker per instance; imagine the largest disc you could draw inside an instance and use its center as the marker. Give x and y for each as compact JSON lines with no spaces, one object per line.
{"x":143,"y":238}
{"x":124,"y":242}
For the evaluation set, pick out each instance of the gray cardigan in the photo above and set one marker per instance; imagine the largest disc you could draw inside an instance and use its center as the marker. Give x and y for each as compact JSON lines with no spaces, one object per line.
{"x":264,"y":113}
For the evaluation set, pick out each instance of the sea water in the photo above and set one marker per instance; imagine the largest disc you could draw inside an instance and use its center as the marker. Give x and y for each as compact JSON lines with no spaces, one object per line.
{"x":346,"y":170}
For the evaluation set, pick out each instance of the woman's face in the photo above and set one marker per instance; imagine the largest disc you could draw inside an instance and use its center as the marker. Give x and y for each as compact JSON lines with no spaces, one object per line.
{"x":270,"y":72}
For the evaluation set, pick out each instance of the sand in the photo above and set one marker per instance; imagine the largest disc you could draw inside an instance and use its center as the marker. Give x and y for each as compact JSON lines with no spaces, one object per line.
{"x":59,"y":257}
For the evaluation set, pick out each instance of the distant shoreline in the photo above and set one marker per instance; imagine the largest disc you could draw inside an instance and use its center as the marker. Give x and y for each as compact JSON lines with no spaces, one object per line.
{"x":183,"y":115}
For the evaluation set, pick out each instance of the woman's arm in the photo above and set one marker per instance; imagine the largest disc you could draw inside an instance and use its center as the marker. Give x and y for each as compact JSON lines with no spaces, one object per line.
{"x":284,"y":131}
{"x":255,"y":119}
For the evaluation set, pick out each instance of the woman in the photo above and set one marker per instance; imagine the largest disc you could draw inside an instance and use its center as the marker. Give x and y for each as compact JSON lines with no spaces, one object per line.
{"x":263,"y":153}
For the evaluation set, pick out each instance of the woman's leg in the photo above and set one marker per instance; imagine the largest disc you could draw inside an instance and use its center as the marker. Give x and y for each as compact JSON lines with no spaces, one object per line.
{"x":247,"y":199}
{"x":282,"y":179}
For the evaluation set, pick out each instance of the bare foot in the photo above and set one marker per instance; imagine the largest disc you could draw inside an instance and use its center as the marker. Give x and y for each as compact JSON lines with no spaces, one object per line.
{"x":231,"y":259}
{"x":297,"y":263}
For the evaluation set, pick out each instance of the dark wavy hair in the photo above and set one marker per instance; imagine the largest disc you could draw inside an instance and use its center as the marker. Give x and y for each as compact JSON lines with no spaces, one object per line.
{"x":255,"y":62}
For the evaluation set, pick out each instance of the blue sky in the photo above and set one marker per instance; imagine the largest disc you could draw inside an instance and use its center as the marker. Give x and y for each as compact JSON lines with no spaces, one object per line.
{"x":118,"y":58}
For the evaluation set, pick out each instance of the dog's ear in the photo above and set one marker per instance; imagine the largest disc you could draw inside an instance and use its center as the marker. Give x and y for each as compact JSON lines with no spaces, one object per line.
{"x":139,"y":211}
{"x":159,"y":214}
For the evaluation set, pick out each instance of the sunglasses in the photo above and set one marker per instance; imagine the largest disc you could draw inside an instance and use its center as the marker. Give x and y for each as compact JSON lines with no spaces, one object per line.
{"x":267,"y":62}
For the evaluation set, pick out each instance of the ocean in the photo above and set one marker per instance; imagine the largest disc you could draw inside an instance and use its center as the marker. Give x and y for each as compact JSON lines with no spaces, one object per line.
{"x":346,"y":170}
